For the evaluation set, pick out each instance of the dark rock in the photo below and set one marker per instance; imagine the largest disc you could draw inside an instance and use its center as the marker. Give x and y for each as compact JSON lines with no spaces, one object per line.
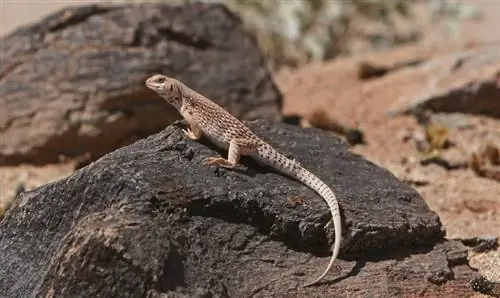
{"x":294,"y":119}
{"x":484,"y":286}
{"x":482,"y":244}
{"x":355,"y":136}
{"x":368,"y":70}
{"x":73,"y":83}
{"x":149,"y":219}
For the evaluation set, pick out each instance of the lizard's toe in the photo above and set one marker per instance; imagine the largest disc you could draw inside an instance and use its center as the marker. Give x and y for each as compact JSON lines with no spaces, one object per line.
{"x":189,"y":133}
{"x":211,"y":160}
{"x":218,"y":161}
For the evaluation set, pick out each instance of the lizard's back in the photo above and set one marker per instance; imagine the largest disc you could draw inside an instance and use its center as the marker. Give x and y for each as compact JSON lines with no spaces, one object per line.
{"x":218,"y":125}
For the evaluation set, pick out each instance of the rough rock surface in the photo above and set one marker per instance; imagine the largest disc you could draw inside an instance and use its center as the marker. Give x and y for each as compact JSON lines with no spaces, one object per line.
{"x":466,"y":82}
{"x":73,"y":83}
{"x":148,"y":219}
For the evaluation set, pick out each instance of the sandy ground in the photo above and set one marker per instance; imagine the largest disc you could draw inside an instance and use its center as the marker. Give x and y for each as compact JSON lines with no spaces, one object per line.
{"x":468,"y":205}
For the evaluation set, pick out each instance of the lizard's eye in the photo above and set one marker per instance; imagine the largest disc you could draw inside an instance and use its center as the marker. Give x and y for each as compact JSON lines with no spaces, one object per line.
{"x":160,"y":80}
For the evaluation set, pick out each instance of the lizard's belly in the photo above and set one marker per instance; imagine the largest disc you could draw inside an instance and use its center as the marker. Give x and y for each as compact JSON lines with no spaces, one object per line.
{"x":217,"y":141}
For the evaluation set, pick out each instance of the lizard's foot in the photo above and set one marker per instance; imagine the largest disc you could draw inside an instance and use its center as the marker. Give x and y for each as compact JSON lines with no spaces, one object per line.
{"x":218,"y":161}
{"x":189,"y":133}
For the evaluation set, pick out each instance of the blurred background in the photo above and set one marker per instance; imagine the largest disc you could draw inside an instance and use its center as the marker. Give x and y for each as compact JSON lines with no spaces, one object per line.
{"x":413,"y":86}
{"x":294,"y":32}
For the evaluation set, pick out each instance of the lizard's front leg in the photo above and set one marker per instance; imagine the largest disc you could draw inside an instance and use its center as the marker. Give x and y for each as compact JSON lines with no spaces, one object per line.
{"x":236,"y":148}
{"x":193,"y":131}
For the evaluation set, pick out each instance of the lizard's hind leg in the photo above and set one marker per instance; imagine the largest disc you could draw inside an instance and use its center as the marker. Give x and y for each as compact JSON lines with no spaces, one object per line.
{"x":237,"y":147}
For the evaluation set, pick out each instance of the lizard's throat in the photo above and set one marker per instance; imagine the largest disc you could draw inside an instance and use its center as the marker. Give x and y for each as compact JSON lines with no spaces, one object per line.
{"x":176,"y":103}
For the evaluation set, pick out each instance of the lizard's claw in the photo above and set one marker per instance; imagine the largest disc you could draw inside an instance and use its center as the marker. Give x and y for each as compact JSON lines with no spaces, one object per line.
{"x":189,"y":133}
{"x":209,"y":160}
{"x":217,"y":161}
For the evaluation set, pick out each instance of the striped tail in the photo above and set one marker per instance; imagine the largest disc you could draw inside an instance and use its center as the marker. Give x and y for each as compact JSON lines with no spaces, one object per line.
{"x":271,"y":157}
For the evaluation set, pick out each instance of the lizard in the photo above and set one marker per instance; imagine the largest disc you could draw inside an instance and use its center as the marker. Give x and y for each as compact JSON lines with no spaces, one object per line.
{"x":205,"y":117}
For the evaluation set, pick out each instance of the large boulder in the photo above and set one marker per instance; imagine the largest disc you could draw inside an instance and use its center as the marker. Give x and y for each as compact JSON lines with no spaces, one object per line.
{"x":73,"y":83}
{"x":149,"y":219}
{"x":465,"y":81}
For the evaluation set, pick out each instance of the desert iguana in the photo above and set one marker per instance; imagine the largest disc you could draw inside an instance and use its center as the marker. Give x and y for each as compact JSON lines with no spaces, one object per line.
{"x":227,"y":132}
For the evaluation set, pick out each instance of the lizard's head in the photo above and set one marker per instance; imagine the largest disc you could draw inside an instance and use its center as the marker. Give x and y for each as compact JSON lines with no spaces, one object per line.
{"x":168,"y":88}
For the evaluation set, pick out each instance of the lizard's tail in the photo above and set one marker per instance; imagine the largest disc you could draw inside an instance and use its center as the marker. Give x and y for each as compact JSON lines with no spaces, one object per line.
{"x":295,"y":170}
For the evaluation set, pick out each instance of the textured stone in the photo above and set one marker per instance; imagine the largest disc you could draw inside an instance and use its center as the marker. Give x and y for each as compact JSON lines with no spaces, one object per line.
{"x":467,"y":81}
{"x":73,"y":83}
{"x":149,"y":219}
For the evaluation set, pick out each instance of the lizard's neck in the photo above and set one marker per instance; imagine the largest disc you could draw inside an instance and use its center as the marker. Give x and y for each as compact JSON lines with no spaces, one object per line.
{"x":175,"y":102}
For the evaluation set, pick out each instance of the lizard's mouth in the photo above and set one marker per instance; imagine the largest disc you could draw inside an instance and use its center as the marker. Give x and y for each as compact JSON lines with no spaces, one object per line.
{"x":151,"y":85}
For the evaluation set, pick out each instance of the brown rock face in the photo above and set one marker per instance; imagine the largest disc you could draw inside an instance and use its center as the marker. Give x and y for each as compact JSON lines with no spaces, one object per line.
{"x":73,"y":83}
{"x":465,"y":82}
